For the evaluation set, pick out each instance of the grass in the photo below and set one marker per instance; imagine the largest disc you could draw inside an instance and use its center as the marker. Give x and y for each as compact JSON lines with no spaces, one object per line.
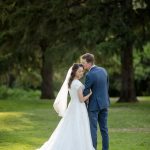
{"x":26,"y":122}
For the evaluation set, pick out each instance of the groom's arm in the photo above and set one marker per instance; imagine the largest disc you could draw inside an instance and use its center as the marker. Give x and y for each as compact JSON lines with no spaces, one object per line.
{"x":107,"y":78}
{"x":88,"y":84}
{"x":108,"y":81}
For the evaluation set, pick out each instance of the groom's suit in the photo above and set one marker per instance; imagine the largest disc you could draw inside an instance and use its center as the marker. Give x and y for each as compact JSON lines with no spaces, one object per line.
{"x":97,"y":80}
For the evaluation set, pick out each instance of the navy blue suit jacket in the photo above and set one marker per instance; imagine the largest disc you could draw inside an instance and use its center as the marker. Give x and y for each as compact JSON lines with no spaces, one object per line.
{"x":97,"y":80}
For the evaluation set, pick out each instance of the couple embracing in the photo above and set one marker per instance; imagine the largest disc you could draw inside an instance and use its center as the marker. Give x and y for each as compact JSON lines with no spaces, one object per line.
{"x":88,"y":108}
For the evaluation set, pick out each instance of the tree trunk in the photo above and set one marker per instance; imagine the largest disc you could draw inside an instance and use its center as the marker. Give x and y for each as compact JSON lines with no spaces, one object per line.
{"x":47,"y":86}
{"x":11,"y":80}
{"x":47,"y":76}
{"x":127,"y":75}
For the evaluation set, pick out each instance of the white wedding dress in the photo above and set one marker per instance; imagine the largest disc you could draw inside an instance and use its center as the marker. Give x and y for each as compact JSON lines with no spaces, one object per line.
{"x":73,"y":130}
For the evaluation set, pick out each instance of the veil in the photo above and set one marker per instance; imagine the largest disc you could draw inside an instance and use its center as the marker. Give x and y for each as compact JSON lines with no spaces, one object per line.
{"x":60,"y":103}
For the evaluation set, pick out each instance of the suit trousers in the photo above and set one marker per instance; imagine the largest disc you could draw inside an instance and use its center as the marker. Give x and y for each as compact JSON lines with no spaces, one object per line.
{"x":99,"y":117}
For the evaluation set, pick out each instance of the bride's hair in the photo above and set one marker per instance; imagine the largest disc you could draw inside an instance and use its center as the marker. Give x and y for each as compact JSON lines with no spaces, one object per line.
{"x":75,"y":67}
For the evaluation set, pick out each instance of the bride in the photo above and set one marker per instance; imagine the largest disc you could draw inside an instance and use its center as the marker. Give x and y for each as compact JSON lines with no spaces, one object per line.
{"x":73,"y":130}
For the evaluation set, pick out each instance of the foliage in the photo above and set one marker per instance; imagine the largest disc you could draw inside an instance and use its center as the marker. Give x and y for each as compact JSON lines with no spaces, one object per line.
{"x":53,"y":34}
{"x":142,"y":61}
{"x":142,"y":71}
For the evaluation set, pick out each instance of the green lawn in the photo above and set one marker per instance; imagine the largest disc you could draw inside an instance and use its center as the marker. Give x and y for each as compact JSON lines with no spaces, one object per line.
{"x":26,"y":122}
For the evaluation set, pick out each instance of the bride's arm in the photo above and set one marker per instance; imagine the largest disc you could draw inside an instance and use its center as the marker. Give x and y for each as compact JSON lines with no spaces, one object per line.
{"x":83,"y":98}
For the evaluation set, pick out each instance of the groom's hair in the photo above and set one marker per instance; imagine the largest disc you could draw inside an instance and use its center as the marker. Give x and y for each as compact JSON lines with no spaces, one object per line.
{"x":88,"y":57}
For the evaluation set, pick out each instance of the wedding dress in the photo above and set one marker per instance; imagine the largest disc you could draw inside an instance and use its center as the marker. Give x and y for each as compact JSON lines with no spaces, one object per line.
{"x":73,"y":130}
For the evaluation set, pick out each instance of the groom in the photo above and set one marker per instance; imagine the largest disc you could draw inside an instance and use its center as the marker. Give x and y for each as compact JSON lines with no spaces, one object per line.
{"x":97,"y":80}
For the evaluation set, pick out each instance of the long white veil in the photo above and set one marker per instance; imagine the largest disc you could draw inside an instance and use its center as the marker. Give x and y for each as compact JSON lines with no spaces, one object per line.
{"x":60,"y":103}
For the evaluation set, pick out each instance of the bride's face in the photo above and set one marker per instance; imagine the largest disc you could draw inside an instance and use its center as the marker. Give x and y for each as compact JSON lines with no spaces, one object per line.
{"x":80,"y":72}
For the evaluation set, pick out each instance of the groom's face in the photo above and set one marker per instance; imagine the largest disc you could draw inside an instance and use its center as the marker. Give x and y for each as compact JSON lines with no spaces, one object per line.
{"x":86,"y":65}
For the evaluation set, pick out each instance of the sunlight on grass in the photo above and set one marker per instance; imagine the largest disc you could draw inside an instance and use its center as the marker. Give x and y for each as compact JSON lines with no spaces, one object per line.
{"x":14,"y":120}
{"x":16,"y":146}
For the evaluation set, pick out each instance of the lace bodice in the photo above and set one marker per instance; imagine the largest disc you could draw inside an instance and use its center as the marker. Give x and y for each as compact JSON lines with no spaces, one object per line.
{"x":73,"y":91}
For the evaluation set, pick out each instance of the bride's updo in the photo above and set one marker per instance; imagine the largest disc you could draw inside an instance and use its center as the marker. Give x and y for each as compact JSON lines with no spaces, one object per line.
{"x":75,"y":67}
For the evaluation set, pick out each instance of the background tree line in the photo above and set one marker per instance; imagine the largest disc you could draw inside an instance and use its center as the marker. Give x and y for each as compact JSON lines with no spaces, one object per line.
{"x":39,"y":40}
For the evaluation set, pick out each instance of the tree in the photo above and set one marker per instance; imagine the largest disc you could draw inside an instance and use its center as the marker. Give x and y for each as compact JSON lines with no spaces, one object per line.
{"x":106,"y":26}
{"x":36,"y":28}
{"x":110,"y":27}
